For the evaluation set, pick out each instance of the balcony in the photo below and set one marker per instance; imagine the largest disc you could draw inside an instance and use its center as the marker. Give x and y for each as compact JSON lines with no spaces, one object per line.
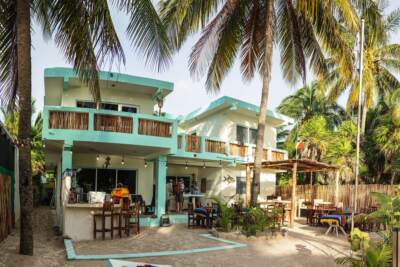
{"x":207,"y":148}
{"x":82,"y":124}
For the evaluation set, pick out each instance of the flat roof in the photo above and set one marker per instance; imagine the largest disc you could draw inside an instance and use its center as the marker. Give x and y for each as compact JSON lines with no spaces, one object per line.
{"x":303,"y":165}
{"x":231,"y":102}
{"x":67,"y":73}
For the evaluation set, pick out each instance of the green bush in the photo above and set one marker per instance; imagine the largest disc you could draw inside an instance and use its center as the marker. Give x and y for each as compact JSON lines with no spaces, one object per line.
{"x":256,"y":220}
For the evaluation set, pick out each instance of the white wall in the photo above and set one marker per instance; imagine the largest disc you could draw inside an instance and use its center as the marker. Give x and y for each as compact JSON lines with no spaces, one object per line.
{"x":112,"y":95}
{"x":222,"y":126}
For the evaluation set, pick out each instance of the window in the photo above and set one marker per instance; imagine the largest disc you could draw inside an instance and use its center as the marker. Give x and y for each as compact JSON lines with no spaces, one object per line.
{"x":127,"y":179}
{"x":106,"y":180}
{"x":240,"y":185}
{"x":245,"y":135}
{"x":85,"y":104}
{"x":86,"y":179}
{"x":109,"y":106}
{"x":129,"y":109}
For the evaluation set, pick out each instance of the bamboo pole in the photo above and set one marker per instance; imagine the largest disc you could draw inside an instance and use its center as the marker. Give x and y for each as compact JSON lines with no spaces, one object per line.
{"x":294,"y":184}
{"x":337,"y":174}
{"x":248,"y":184}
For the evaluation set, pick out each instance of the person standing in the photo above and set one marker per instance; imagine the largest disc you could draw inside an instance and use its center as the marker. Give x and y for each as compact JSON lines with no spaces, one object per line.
{"x":179,"y":189}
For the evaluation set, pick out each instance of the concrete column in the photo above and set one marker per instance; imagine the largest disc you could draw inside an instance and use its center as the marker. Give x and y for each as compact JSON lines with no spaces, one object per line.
{"x":161,"y":181}
{"x":66,"y":163}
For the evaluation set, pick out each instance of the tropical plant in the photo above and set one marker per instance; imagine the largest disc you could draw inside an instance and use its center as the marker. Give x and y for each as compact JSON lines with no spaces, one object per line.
{"x":367,"y":254}
{"x":381,"y":61}
{"x":305,"y":103}
{"x":248,"y":29}
{"x":84,"y":32}
{"x":225,"y":215}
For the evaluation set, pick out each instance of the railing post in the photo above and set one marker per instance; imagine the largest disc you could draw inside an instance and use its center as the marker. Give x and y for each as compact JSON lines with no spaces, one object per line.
{"x":396,"y":247}
{"x":227,"y":148}
{"x":135,"y":124}
{"x":202,"y":144}
{"x":91,"y":121}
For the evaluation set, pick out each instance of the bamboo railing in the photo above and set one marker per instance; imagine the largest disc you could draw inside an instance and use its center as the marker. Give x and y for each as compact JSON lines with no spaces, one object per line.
{"x":111,"y":123}
{"x":346,"y":193}
{"x":215,"y":146}
{"x":238,"y":150}
{"x":265,"y":153}
{"x":179,"y":141}
{"x":277,"y":155}
{"x":154,"y":128}
{"x":5,"y":207}
{"x":68,"y":120}
{"x":192,"y":143}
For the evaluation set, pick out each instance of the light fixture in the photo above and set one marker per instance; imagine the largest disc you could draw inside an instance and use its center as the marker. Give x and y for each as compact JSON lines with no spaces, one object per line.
{"x":186,"y":165}
{"x":204,"y":164}
{"x":145,"y":164}
{"x":97,"y":157}
{"x":122,"y":161}
{"x":44,"y":145}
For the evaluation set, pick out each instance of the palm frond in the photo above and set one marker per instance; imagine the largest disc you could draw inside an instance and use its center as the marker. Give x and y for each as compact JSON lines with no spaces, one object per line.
{"x":8,"y":55}
{"x":147,"y":32}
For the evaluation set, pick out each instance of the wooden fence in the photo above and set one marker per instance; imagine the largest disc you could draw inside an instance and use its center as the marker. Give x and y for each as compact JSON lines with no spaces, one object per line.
{"x":5,"y":206}
{"x":346,"y":193}
{"x":68,"y":120}
{"x":155,"y":128}
{"x":111,"y":123}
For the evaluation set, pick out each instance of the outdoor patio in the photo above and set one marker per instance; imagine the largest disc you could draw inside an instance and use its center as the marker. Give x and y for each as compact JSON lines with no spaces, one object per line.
{"x":305,"y":246}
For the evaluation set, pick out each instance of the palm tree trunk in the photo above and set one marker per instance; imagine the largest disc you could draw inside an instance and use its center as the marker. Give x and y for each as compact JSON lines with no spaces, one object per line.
{"x":393,"y":178}
{"x":266,"y":78}
{"x":364,"y":118}
{"x":24,"y":125}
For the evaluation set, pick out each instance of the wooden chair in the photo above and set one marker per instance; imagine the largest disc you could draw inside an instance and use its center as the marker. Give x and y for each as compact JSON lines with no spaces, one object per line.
{"x":107,"y":212}
{"x":131,"y":217}
{"x":191,"y":216}
{"x":125,"y":204}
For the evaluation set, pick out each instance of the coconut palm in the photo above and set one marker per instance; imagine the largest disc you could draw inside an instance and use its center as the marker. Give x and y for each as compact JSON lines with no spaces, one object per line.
{"x":387,"y":133}
{"x":305,"y":103}
{"x":84,"y":32}
{"x":381,"y":61}
{"x":248,"y":29}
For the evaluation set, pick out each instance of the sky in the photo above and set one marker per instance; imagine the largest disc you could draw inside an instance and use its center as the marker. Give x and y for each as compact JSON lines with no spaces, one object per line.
{"x":188,"y":94}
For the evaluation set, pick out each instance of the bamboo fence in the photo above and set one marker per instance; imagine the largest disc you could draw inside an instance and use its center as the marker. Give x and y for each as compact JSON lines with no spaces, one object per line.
{"x":346,"y":193}
{"x":5,"y":207}
{"x":215,"y":146}
{"x":111,"y":123}
{"x":68,"y":120}
{"x":192,"y":143}
{"x":154,"y":128}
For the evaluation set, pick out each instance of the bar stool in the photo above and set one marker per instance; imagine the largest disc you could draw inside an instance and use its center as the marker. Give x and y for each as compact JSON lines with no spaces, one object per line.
{"x":107,"y":212}
{"x":124,"y":208}
{"x":191,"y":220}
{"x":131,"y":219}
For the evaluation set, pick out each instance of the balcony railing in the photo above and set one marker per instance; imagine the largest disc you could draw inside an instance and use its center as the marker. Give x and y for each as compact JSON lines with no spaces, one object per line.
{"x":111,"y":123}
{"x":155,"y":128}
{"x":108,"y":121}
{"x":277,"y":155}
{"x":213,"y":146}
{"x":68,"y":120}
{"x":264,"y":155}
{"x":193,"y":143}
{"x":237,"y":150}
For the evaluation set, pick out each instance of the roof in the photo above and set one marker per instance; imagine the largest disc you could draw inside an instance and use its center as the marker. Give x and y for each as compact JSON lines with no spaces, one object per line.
{"x":4,"y":130}
{"x":67,"y":73}
{"x":303,"y":165}
{"x":233,"y":103}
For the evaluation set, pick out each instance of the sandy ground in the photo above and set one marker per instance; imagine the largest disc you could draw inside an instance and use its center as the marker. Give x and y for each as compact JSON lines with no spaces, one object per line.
{"x":305,"y":246}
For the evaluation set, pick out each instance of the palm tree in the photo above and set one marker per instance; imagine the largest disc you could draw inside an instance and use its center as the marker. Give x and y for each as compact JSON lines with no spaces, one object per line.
{"x":381,"y":61}
{"x":305,"y":103}
{"x":84,"y":32}
{"x":387,"y":133}
{"x":247,"y":29}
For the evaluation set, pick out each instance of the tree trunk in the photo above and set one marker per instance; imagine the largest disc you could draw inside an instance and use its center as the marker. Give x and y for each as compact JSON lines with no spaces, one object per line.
{"x":364,"y":118}
{"x":24,"y":125}
{"x":393,"y":178}
{"x":266,"y":78}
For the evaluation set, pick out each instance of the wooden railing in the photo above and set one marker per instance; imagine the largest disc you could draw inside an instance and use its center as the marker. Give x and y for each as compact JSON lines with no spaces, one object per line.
{"x":238,"y":150}
{"x":193,"y":143}
{"x":111,"y":123}
{"x":68,"y":120}
{"x":264,"y":155}
{"x":215,"y":146}
{"x":154,"y":128}
{"x":277,"y":155}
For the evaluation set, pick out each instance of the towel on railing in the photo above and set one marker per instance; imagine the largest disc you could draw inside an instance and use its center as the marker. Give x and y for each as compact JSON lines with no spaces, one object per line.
{"x":338,"y":219}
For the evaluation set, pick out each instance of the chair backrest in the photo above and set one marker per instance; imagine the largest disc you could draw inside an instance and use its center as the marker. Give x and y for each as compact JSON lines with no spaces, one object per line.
{"x":108,"y":207}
